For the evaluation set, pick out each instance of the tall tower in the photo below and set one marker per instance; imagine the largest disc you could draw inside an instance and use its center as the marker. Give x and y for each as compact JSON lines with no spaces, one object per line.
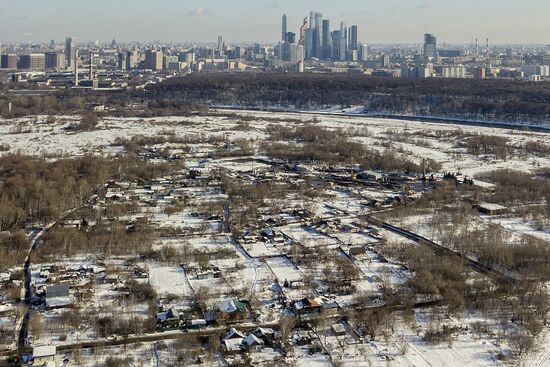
{"x":75,"y":63}
{"x":303,"y":30}
{"x":284,"y":29}
{"x":70,"y":50}
{"x":220,"y":46}
{"x":316,"y":25}
{"x":326,"y":39}
{"x":353,"y":43}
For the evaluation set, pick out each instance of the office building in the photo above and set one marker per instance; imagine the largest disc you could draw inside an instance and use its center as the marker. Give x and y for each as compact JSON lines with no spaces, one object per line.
{"x":55,"y":60}
{"x":188,"y":58}
{"x":316,"y":27}
{"x":220,"y":45}
{"x":353,"y":43}
{"x":430,"y":45}
{"x":9,"y":61}
{"x":326,"y":40}
{"x":284,"y":27}
{"x":153,"y":60}
{"x":35,"y":62}
{"x":122,"y":61}
{"x":70,"y":51}
{"x":132,"y":59}
{"x":296,"y":53}
{"x":363,"y":52}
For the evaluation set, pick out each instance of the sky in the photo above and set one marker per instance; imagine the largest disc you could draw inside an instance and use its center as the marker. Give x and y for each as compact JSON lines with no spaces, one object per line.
{"x":379,"y":21}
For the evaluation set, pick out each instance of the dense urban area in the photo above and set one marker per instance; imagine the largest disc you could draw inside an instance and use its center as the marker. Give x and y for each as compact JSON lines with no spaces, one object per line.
{"x":312,"y":202}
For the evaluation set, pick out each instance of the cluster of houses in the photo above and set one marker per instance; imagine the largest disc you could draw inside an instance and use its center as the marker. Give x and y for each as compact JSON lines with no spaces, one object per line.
{"x":235,"y":341}
{"x":59,"y":287}
{"x":230,"y":311}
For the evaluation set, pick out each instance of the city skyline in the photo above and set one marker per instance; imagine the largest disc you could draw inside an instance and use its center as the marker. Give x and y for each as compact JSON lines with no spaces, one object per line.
{"x":180,"y":21}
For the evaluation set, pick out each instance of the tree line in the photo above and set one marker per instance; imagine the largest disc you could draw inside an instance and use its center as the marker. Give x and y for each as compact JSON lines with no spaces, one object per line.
{"x":486,"y":99}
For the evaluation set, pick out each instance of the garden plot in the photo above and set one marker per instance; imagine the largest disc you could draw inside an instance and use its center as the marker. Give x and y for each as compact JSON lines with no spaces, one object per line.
{"x":262,"y":249}
{"x":308,"y":237}
{"x":343,"y":201}
{"x":184,"y":220}
{"x":378,"y":271}
{"x":405,"y":347}
{"x":520,"y":226}
{"x":284,"y":270}
{"x":169,"y":280}
{"x":239,"y":165}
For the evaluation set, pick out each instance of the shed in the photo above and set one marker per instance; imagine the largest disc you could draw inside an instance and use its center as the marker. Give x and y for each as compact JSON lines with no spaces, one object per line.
{"x":492,"y":209}
{"x":54,"y":291}
{"x":338,"y":329}
{"x":44,"y":355}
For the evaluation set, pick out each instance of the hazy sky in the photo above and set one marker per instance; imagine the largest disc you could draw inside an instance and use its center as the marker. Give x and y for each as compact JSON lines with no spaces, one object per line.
{"x":379,"y":21}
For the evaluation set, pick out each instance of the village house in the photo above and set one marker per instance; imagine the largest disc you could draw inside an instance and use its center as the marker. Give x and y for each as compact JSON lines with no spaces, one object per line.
{"x":169,"y":319}
{"x":232,"y":340}
{"x":306,"y":306}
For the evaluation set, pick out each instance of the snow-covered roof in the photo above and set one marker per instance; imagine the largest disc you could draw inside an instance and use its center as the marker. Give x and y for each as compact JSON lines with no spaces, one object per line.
{"x":44,"y":351}
{"x":252,"y":339}
{"x":233,"y":334}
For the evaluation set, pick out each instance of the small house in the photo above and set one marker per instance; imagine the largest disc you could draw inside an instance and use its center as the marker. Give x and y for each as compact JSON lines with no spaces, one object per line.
{"x":169,"y":319}
{"x":306,"y":306}
{"x":492,"y":209}
{"x":252,"y":343}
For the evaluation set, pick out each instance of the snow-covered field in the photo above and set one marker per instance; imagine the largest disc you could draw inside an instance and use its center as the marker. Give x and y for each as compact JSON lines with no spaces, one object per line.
{"x":257,"y":271}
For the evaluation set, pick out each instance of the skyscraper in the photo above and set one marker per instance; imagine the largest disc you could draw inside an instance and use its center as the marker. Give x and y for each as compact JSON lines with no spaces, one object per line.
{"x":303,"y":31}
{"x":430,"y":45}
{"x":220,"y":45}
{"x":316,"y":24}
{"x":285,"y":29}
{"x":70,"y":51}
{"x":326,"y":39}
{"x":353,"y":44}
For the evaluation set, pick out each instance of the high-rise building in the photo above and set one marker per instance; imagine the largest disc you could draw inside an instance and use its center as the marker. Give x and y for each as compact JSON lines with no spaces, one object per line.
{"x":290,"y":37}
{"x":132,"y":59}
{"x":338,"y":46}
{"x":32,"y":62}
{"x":430,"y":45}
{"x":153,"y":60}
{"x":220,"y":45}
{"x":326,"y":39}
{"x":9,"y":61}
{"x":284,"y":27}
{"x":353,"y":43}
{"x":55,"y":60}
{"x":364,"y":52}
{"x":343,"y":50}
{"x":70,"y":51}
{"x":316,"y":25}
{"x":303,"y":29}
{"x":308,"y":43}
{"x":122,"y":61}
